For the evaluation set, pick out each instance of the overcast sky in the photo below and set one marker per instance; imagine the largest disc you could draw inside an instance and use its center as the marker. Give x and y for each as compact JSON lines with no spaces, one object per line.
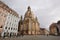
{"x":47,"y":11}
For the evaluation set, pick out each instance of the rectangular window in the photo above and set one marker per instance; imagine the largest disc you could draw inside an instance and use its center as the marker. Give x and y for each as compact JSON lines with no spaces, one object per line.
{"x":15,"y":20}
{"x":1,"y":27}
{"x":4,"y":15}
{"x":5,"y":27}
{"x":9,"y":28}
{"x":14,"y":28}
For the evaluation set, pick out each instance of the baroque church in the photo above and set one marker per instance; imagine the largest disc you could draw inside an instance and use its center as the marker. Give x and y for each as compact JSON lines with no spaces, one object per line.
{"x":29,"y":25}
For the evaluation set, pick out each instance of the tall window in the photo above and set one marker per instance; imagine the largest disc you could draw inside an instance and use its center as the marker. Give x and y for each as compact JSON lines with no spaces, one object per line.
{"x":1,"y":27}
{"x":4,"y":15}
{"x":5,"y":27}
{"x":15,"y":20}
{"x":9,"y":28}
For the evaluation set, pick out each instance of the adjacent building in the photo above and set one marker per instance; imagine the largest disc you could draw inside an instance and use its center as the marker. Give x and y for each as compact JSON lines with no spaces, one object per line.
{"x":8,"y":21}
{"x":58,"y":25}
{"x":43,"y":31}
{"x":55,"y":28}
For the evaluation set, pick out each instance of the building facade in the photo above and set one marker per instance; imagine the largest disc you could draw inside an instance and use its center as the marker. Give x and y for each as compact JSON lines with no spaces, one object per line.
{"x":30,"y":24}
{"x":54,"y":29}
{"x":9,"y":21}
{"x":58,"y":25}
{"x":43,"y":31}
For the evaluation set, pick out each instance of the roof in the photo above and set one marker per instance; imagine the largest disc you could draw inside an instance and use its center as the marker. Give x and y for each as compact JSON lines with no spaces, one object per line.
{"x":5,"y":7}
{"x":42,"y":29}
{"x":57,"y":25}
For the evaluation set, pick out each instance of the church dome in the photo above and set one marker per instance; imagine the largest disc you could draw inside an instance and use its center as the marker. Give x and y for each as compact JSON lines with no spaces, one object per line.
{"x":28,"y":12}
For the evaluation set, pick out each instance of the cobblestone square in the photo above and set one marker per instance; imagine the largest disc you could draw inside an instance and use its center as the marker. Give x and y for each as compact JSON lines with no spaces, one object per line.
{"x":32,"y":37}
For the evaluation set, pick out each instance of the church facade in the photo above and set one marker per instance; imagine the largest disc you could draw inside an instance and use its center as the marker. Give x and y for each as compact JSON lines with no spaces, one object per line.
{"x":29,"y":25}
